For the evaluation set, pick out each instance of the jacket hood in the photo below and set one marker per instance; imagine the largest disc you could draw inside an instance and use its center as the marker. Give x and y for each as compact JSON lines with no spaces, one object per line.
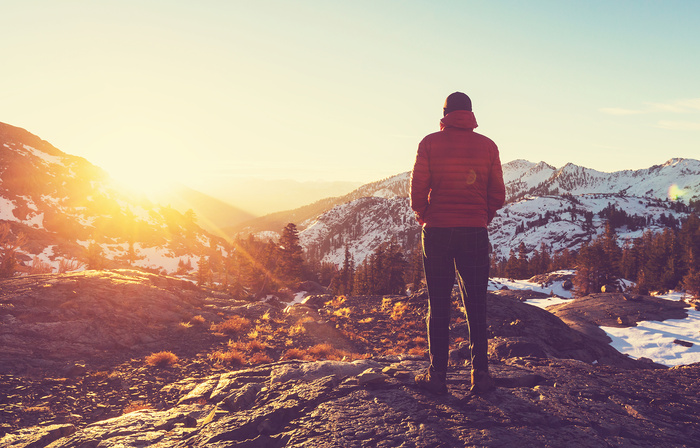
{"x":462,"y":119}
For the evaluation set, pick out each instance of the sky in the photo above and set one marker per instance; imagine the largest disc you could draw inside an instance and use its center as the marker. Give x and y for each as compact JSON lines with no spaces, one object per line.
{"x":156,"y":91}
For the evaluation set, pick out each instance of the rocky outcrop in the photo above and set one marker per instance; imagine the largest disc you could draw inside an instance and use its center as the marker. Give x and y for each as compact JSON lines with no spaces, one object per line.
{"x":52,"y":321}
{"x":587,"y":314}
{"x":558,"y":386}
{"x":327,"y":404}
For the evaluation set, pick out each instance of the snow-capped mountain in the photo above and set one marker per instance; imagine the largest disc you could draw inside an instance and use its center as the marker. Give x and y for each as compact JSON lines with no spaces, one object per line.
{"x":63,"y":205}
{"x":559,"y":207}
{"x":677,"y":177}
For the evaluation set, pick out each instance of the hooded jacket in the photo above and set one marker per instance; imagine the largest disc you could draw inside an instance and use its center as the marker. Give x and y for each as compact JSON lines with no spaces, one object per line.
{"x":457,"y":180}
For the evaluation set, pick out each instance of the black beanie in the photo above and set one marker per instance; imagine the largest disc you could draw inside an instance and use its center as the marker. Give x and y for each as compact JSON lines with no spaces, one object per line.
{"x":457,"y":101}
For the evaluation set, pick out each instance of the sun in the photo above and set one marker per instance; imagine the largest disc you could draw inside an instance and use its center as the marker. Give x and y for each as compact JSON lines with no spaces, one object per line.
{"x":144,"y":160}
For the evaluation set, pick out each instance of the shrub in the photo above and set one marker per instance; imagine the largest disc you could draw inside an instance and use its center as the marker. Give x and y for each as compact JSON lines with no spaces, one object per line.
{"x":234,"y":325}
{"x":342,"y":312}
{"x":255,"y":345}
{"x":69,"y":265}
{"x":417,"y":351}
{"x":184,"y":326}
{"x":326,"y":351}
{"x":232,"y":357}
{"x":161,"y":359}
{"x":366,"y":320}
{"x":259,"y":358}
{"x":398,"y":311}
{"x":386,"y":303}
{"x":297,"y":329}
{"x":197,"y":320}
{"x":336,"y":301}
{"x":294,"y":353}
{"x":40,"y":267}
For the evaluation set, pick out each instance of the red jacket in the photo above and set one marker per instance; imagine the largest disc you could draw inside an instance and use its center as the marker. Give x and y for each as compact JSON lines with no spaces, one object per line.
{"x":457,"y":179}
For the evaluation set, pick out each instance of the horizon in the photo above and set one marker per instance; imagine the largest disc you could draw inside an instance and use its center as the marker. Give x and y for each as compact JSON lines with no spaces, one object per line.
{"x":155,"y":93}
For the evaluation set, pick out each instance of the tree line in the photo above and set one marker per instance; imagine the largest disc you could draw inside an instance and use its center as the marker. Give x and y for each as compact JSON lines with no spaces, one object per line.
{"x":657,"y":261}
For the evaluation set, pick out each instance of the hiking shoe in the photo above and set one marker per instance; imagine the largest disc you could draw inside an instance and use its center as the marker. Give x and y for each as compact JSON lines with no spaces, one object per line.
{"x":432,"y":382}
{"x":482,"y":383}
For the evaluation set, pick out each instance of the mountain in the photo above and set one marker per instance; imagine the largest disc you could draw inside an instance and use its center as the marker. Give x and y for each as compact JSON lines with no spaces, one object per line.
{"x":212,"y":214}
{"x":524,"y":178}
{"x":560,"y":207}
{"x":72,"y":214}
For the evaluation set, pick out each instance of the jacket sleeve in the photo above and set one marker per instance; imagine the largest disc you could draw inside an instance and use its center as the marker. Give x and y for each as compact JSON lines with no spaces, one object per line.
{"x":496,"y":194}
{"x":420,"y":184}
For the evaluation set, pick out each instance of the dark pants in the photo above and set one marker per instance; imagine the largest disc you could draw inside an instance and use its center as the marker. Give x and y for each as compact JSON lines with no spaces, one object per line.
{"x":465,"y":249}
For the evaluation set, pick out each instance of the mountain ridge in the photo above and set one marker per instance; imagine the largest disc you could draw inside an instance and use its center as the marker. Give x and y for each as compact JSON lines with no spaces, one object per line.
{"x":571,"y":197}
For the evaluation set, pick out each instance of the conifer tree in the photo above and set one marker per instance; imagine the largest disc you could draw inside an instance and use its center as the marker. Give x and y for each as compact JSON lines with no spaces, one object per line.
{"x":290,"y":255}
{"x":394,"y":270}
{"x":9,"y":245}
{"x":347,"y":273}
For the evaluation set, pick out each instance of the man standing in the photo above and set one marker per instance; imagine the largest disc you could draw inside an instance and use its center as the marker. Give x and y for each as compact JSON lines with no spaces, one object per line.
{"x":456,"y":188}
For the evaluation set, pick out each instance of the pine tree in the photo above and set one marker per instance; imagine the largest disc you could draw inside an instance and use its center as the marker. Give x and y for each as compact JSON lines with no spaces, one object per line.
{"x":290,"y":255}
{"x":95,"y":257}
{"x":9,"y":245}
{"x":416,"y":276}
{"x":347,"y":272}
{"x":394,"y":271}
{"x":591,"y":273}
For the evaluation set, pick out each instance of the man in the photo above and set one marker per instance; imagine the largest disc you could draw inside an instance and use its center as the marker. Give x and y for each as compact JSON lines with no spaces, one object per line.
{"x":456,"y":188}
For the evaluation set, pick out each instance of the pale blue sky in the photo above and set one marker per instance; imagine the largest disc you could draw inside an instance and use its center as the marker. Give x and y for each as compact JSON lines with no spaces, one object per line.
{"x":346,"y":90}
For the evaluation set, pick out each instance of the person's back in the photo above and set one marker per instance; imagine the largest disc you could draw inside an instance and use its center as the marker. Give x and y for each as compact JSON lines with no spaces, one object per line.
{"x":457,"y":166}
{"x":456,"y":189}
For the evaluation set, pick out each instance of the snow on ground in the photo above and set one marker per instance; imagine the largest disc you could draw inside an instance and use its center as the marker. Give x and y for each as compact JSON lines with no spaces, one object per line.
{"x":47,"y":158}
{"x":649,"y":339}
{"x":6,"y":208}
{"x":555,"y":288}
{"x":157,"y":258}
{"x":654,"y":339}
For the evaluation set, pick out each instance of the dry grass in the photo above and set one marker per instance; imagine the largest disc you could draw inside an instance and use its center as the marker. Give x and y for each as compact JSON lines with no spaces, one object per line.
{"x":294,"y":353}
{"x":296,"y":330}
{"x":336,"y":302}
{"x":136,"y":406}
{"x":259,"y":358}
{"x":342,"y":312}
{"x":318,"y":352}
{"x":232,"y":357}
{"x":417,"y":351}
{"x":366,"y":320}
{"x":420,"y":341}
{"x":37,"y":409}
{"x":234,"y":325}
{"x":198,"y":321}
{"x":256,"y":346}
{"x":386,"y":304}
{"x":161,"y":359}
{"x":399,"y":310}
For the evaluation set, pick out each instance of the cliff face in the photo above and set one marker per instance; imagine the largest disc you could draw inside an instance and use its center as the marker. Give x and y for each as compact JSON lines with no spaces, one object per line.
{"x":75,"y":371}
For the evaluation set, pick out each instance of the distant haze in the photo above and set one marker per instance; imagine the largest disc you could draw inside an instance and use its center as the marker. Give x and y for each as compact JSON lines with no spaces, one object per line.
{"x":260,"y":197}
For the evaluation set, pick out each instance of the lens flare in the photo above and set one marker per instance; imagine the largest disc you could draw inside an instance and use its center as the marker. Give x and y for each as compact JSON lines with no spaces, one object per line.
{"x":675,"y":193}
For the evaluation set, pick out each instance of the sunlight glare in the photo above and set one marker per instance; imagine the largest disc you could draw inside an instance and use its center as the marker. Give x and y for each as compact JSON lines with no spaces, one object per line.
{"x":675,"y":193}
{"x":144,"y":160}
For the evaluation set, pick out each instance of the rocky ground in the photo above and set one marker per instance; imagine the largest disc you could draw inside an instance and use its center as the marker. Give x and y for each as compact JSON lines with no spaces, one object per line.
{"x":75,"y":372}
